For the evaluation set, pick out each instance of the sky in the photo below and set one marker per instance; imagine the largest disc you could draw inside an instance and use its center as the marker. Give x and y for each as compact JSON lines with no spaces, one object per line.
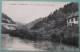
{"x":27,"y":11}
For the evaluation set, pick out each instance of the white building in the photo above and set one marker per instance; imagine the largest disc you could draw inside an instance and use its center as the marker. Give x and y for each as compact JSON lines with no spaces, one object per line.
{"x":72,"y":19}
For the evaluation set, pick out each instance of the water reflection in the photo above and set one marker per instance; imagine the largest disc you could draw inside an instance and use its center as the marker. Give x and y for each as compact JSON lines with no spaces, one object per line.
{"x":13,"y":43}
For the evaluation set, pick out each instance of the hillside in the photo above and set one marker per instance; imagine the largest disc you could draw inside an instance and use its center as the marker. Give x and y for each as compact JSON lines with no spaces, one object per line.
{"x":31,"y":24}
{"x":58,"y":16}
{"x":52,"y":28}
{"x":6,"y":19}
{"x":7,"y":24}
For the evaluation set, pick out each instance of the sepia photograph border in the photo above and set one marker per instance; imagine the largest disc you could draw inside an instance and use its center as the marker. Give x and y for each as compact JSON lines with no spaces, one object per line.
{"x":41,"y":1}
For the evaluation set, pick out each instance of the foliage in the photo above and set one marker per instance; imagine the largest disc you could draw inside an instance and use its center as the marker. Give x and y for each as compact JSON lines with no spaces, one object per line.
{"x":53,"y":28}
{"x":66,"y":35}
{"x":59,"y":16}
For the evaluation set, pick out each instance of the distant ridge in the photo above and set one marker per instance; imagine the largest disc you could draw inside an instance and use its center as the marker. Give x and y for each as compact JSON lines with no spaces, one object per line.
{"x":31,"y":24}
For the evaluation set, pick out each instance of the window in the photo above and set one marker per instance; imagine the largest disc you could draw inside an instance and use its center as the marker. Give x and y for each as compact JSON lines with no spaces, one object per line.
{"x":68,"y":20}
{"x":76,"y":19}
{"x":72,"y":20}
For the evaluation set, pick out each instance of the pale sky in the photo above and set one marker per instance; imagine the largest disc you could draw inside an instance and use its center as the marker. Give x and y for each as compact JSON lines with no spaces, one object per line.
{"x":27,"y":11}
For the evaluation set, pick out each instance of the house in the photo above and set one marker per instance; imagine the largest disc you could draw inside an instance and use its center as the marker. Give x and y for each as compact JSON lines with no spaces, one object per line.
{"x":72,"y":19}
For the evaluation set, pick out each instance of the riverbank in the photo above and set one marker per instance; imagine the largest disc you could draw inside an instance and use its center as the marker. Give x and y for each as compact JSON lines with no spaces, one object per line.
{"x":14,"y":43}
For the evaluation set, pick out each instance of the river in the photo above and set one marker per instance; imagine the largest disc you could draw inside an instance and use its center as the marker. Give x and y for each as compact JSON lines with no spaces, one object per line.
{"x":14,"y":43}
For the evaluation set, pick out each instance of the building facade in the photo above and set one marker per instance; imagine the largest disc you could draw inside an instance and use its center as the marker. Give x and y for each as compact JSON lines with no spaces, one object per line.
{"x":73,"y":19}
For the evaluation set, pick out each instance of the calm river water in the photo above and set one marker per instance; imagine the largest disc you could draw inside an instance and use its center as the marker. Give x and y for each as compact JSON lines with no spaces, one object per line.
{"x":14,"y":43}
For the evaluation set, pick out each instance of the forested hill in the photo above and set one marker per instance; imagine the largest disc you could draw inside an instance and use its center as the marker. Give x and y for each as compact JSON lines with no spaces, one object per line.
{"x":7,"y":24}
{"x":57,"y":18}
{"x":6,"y":19}
{"x":53,"y":28}
{"x":31,"y":24}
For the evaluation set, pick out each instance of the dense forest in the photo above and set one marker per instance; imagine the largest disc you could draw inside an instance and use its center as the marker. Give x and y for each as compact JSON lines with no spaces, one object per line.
{"x":53,"y":28}
{"x":58,"y":17}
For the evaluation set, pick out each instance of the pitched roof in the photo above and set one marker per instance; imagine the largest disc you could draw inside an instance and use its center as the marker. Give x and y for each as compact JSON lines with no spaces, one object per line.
{"x":72,"y":15}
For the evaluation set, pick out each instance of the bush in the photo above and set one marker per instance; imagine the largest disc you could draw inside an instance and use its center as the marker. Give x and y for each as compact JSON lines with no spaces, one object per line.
{"x":66,"y":35}
{"x":57,"y":35}
{"x":21,"y":33}
{"x":71,"y":40}
{"x":25,"y":34}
